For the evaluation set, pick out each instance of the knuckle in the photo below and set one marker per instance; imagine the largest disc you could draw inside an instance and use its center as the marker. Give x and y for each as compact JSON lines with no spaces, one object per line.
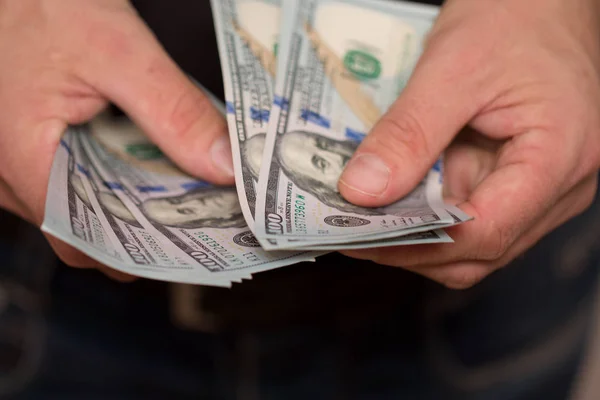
{"x":403,"y":135}
{"x":495,"y":242}
{"x":184,"y":110}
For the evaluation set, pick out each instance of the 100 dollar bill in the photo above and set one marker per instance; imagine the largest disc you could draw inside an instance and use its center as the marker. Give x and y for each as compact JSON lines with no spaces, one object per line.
{"x":341,"y":64}
{"x":134,"y":243}
{"x":72,"y":217}
{"x":193,"y":218}
{"x":247,"y":36}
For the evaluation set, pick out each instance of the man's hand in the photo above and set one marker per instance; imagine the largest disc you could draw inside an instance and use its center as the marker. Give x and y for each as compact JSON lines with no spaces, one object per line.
{"x":61,"y":62}
{"x":523,"y":76}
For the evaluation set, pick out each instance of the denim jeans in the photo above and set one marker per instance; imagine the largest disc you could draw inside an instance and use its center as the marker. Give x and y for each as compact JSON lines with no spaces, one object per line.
{"x":74,"y":334}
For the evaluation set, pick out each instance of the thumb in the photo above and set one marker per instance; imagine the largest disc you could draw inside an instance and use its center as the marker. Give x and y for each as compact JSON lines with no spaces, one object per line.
{"x":408,"y":139}
{"x":134,"y":71}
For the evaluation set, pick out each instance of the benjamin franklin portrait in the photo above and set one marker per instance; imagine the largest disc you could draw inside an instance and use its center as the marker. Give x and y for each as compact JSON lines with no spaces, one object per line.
{"x":107,"y":200}
{"x":252,"y":152}
{"x":214,"y":207}
{"x":314,"y":163}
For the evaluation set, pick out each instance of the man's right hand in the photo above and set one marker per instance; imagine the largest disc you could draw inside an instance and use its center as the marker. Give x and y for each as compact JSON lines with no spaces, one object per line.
{"x":62,"y":62}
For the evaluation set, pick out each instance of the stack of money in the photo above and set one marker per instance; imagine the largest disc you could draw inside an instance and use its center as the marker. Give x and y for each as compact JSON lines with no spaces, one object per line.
{"x":305,"y":80}
{"x":113,"y":195}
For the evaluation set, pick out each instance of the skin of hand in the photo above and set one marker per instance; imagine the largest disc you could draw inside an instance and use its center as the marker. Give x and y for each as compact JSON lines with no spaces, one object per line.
{"x":62,"y":61}
{"x":511,"y":90}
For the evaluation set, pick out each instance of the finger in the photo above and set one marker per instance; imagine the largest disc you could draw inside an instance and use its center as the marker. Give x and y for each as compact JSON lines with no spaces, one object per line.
{"x":464,"y":273}
{"x":467,"y":161}
{"x":80,"y":109}
{"x":71,"y":256}
{"x":30,"y":148}
{"x":27,"y":158}
{"x":136,"y":73}
{"x":457,"y":276}
{"x":35,"y":115}
{"x":75,"y":258}
{"x":405,"y":143}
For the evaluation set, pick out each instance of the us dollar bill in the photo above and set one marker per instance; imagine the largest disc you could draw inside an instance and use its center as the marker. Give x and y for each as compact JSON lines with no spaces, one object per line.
{"x":247,"y":36}
{"x":69,"y":214}
{"x":341,"y":64}
{"x":71,"y":217}
{"x":426,"y":237}
{"x":195,"y":218}
{"x":136,"y":246}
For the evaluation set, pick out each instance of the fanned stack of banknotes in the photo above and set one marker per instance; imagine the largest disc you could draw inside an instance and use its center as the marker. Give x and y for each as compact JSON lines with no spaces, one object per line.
{"x":305,"y":81}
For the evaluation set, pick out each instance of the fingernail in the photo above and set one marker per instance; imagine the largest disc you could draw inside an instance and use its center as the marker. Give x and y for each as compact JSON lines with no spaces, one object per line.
{"x":220,"y":153}
{"x":366,"y":174}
